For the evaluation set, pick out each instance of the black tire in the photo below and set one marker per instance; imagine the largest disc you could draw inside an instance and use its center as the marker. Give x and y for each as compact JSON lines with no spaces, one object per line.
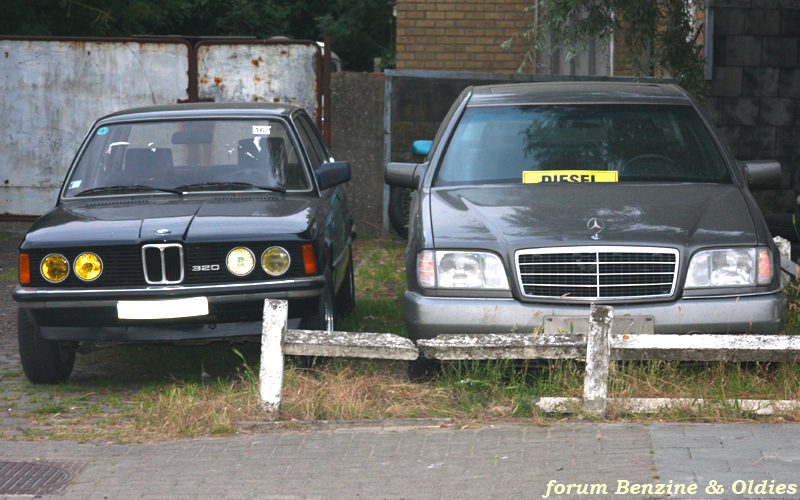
{"x":346,"y":299}
{"x":423,"y":369}
{"x":43,"y":361}
{"x":399,"y":207}
{"x":323,"y":317}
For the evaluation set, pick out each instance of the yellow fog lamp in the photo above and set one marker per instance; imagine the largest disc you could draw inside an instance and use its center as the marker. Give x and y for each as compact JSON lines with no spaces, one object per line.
{"x":240,"y":261}
{"x":88,"y":266}
{"x":55,"y":268}
{"x":275,"y":261}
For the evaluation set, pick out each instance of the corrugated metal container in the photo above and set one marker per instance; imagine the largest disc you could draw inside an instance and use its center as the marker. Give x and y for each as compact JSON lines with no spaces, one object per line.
{"x":51,"y":92}
{"x":287,"y":73}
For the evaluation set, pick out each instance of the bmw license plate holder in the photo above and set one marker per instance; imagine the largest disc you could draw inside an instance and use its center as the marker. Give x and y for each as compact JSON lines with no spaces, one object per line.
{"x":162,"y":309}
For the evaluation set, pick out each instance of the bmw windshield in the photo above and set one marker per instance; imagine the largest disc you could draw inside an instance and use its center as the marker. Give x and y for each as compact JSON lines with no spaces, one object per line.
{"x":581,"y":143}
{"x":188,"y":155}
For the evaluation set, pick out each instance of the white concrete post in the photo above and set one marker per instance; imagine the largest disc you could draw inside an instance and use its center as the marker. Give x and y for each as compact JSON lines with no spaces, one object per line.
{"x":271,"y":374}
{"x":598,"y":354}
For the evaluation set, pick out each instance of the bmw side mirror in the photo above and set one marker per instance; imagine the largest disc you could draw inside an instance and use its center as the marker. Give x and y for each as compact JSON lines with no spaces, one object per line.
{"x":762,"y":173}
{"x":332,"y":173}
{"x":421,"y":148}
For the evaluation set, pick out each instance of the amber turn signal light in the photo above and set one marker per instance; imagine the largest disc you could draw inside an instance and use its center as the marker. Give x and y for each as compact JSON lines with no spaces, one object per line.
{"x":309,"y":260}
{"x":24,"y":269}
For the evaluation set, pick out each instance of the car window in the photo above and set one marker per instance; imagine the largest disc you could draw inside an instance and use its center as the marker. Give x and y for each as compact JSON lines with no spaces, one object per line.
{"x":317,"y":140}
{"x":313,"y":155}
{"x":449,"y":116}
{"x":169,"y":154}
{"x":574,"y":143}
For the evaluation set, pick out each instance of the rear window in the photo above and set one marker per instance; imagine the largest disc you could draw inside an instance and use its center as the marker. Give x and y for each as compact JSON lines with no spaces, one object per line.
{"x":581,"y":143}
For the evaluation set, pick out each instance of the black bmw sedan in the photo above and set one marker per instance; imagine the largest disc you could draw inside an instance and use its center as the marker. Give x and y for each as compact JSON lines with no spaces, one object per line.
{"x":174,"y":224}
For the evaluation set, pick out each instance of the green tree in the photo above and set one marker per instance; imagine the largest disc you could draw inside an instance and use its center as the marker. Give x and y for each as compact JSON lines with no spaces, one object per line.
{"x":661,"y":35}
{"x":361,"y":29}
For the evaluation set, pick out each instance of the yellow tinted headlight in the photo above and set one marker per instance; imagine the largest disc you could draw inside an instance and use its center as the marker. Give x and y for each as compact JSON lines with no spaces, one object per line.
{"x":275,"y":261}
{"x":240,"y":261}
{"x":88,"y":266}
{"x":55,"y":268}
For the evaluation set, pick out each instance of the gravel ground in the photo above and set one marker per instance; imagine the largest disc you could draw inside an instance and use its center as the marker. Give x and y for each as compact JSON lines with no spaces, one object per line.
{"x":18,"y":397}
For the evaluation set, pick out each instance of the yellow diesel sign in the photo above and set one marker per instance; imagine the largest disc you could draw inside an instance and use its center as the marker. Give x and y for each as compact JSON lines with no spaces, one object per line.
{"x":534,"y":177}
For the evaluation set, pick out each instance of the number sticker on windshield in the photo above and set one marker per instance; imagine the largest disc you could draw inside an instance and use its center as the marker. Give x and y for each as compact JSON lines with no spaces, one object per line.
{"x":261,"y":129}
{"x":536,"y":177}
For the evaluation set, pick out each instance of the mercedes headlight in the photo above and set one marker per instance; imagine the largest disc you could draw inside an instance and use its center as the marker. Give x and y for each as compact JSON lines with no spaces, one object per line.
{"x":240,"y":261}
{"x":730,"y":267}
{"x":88,"y":266}
{"x":461,"y":270}
{"x":275,"y":261}
{"x":55,"y":268}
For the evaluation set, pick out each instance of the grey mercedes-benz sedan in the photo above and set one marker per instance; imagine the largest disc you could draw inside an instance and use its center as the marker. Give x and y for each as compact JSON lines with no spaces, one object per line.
{"x":536,"y":200}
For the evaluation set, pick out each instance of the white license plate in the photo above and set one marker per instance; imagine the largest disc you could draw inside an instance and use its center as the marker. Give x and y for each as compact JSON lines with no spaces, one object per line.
{"x":162,"y":309}
{"x":620,"y":325}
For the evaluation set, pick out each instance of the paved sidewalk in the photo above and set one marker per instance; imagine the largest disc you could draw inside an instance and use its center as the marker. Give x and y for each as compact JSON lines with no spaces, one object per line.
{"x":432,"y":462}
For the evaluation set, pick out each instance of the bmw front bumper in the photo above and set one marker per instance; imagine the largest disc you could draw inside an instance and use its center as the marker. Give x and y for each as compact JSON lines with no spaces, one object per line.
{"x":90,"y":314}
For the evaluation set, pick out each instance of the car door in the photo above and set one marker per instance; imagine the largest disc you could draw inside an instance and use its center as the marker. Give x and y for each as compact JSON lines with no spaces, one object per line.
{"x":339,"y":220}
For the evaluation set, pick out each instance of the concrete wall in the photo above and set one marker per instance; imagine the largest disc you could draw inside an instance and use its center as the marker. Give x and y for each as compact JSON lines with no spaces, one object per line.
{"x":357,"y":136}
{"x":755,"y":86}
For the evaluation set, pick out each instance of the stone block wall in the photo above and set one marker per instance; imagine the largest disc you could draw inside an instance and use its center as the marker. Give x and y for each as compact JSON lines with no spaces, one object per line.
{"x":755,"y":87}
{"x":357,"y":136}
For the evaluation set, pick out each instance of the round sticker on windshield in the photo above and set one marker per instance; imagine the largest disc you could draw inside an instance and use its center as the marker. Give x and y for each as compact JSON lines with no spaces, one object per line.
{"x":102,"y":131}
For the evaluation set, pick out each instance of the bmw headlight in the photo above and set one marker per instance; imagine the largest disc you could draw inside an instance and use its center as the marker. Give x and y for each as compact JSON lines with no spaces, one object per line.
{"x":240,"y":261}
{"x":88,"y":266}
{"x":461,"y":270}
{"x":55,"y":268}
{"x":730,"y":267}
{"x":275,"y":261}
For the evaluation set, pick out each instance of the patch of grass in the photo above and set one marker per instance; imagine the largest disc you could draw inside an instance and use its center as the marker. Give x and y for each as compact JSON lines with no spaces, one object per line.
{"x":380,"y":283}
{"x":11,"y":275}
{"x":791,"y":324}
{"x":50,"y":408}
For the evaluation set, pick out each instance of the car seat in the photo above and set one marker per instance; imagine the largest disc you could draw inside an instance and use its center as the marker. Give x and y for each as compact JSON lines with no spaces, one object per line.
{"x":148,"y":166}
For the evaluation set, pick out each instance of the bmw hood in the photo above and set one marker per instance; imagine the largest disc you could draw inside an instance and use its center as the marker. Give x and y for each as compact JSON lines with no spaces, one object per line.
{"x":136,"y":220}
{"x":536,"y":215}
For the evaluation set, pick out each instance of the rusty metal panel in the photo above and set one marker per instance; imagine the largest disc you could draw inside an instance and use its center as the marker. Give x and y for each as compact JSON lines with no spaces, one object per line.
{"x":52,"y":90}
{"x":266,"y":72}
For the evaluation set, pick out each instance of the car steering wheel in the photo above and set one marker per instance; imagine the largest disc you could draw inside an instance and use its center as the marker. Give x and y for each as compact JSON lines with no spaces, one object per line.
{"x":669,"y":164}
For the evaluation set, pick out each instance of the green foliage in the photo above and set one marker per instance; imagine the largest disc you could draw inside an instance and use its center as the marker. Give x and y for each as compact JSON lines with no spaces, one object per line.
{"x":362,"y":29}
{"x":660,"y":35}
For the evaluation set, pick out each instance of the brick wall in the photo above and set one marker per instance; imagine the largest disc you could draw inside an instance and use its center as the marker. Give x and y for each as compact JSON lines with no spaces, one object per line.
{"x":460,"y":35}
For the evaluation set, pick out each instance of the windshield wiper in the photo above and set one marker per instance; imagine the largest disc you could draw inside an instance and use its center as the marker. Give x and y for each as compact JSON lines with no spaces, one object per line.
{"x":228,"y":186}
{"x":132,"y":187}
